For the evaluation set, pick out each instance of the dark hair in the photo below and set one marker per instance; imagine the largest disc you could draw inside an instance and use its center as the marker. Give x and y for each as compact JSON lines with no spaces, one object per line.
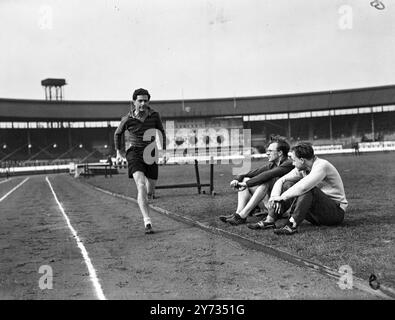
{"x":141,"y":92}
{"x":282,"y":144}
{"x":303,"y":150}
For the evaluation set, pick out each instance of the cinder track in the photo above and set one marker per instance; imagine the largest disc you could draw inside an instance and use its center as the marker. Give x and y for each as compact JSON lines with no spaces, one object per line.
{"x":177,"y":262}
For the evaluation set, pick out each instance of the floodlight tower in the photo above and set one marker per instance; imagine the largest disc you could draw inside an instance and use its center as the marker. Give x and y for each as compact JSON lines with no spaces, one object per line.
{"x":50,"y":83}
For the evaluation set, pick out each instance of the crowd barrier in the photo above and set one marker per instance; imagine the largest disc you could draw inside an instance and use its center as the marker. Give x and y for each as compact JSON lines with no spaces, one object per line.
{"x":377,"y":146}
{"x":105,"y":169}
{"x":17,"y":171}
{"x":319,"y":150}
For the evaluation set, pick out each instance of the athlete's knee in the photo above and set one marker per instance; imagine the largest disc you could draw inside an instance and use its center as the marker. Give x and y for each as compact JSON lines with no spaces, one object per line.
{"x":263,"y":188}
{"x":141,"y":186}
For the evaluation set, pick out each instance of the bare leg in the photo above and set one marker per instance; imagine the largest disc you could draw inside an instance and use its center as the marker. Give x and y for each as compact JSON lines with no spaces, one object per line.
{"x":150,"y":185}
{"x":264,"y":204}
{"x":142,"y":198}
{"x":258,"y":195}
{"x":243,"y":197}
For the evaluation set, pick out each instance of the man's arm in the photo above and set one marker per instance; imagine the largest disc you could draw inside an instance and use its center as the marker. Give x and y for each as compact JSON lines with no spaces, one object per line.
{"x":293,"y":175}
{"x":275,"y":172}
{"x":118,"y":136}
{"x":316,"y":175}
{"x":253,"y":173}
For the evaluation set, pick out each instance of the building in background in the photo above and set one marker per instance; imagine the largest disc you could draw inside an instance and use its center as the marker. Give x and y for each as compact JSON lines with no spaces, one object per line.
{"x":50,"y":129}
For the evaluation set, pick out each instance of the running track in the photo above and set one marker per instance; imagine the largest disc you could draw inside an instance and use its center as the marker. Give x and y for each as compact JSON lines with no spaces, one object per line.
{"x":97,"y":249}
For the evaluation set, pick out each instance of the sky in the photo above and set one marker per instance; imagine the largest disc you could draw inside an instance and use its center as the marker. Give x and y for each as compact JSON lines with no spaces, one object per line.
{"x":187,"y":49}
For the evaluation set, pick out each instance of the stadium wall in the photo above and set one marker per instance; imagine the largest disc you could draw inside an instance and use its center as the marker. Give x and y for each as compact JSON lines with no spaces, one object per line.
{"x":35,"y":129}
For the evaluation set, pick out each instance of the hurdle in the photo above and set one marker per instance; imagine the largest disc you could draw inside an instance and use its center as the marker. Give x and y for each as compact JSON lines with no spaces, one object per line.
{"x":198,"y":184}
{"x":91,"y":169}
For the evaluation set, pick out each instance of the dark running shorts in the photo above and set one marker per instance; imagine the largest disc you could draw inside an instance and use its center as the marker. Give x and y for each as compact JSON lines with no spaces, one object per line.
{"x":134,"y":156}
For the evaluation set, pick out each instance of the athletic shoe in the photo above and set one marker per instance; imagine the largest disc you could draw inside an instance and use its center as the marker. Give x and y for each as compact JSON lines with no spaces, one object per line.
{"x":226,"y":218}
{"x":236,"y":220}
{"x":286,"y":230}
{"x":148,"y":229}
{"x":261,"y":225}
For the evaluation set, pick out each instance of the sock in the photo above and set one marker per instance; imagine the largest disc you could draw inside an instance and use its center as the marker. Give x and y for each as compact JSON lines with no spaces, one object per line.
{"x":292,"y":220}
{"x":147,"y":221}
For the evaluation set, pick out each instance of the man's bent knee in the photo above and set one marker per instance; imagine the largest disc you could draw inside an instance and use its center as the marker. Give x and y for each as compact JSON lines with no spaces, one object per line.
{"x":141,"y":187}
{"x":264,"y":188}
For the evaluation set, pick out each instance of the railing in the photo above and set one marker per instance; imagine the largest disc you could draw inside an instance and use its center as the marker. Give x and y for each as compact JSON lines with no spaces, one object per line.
{"x":16,"y":171}
{"x":7,"y":169}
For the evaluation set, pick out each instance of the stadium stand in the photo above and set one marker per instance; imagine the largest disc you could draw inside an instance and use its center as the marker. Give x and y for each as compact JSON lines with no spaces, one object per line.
{"x":53,"y":131}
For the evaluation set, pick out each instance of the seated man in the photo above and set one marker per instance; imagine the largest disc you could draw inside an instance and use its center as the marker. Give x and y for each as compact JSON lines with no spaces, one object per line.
{"x":256,"y":184}
{"x":317,"y":194}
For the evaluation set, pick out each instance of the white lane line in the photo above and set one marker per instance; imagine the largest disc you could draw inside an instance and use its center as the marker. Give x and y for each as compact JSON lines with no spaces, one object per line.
{"x":5,"y":180}
{"x":91,"y":269}
{"x":13,"y":189}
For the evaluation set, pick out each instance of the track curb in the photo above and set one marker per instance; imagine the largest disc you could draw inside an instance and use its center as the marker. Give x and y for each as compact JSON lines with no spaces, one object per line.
{"x":383,"y":292}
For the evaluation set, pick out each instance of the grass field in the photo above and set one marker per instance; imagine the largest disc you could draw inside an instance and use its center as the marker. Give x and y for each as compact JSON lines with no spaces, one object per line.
{"x":365,"y":241}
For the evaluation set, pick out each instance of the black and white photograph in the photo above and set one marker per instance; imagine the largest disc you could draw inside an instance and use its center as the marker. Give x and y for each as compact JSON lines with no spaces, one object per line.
{"x":197,"y":156}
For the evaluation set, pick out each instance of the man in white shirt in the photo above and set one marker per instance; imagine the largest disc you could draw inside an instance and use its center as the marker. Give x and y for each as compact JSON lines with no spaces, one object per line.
{"x":318,"y":192}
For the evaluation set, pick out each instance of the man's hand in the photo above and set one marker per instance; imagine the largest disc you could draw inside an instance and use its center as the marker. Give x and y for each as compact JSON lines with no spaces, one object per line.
{"x":234,"y":183}
{"x":239,"y":186}
{"x":119,"y":157}
{"x":276,"y":202}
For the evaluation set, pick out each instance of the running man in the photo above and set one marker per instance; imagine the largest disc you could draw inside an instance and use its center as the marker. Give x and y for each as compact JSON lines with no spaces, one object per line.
{"x":142,"y":123}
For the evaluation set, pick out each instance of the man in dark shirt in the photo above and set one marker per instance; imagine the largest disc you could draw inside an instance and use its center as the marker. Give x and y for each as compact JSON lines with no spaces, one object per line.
{"x":255,"y":185}
{"x":142,"y":123}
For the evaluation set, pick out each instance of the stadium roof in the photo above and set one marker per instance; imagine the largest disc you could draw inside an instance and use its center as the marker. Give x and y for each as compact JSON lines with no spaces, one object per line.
{"x":25,"y":110}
